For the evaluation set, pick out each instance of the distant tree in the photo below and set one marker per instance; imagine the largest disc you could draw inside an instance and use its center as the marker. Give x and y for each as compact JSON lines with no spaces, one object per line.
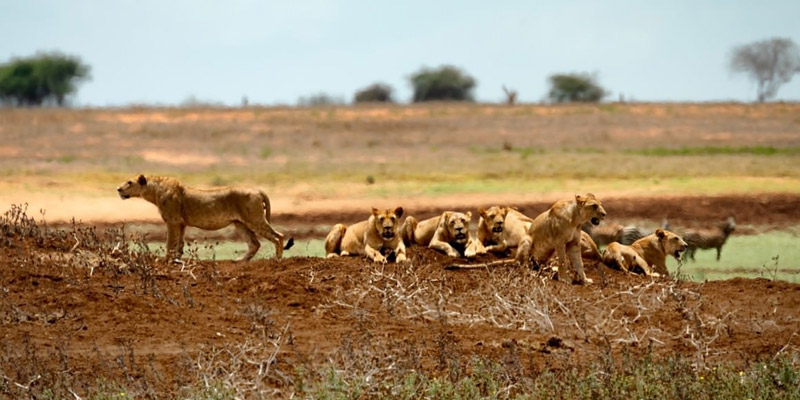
{"x":571,"y":88}
{"x":444,"y":83}
{"x":320,"y":99}
{"x":377,"y":92}
{"x":193,"y":101}
{"x":771,"y":63}
{"x":41,"y":79}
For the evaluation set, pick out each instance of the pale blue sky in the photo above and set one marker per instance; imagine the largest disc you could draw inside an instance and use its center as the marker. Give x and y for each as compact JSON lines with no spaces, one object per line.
{"x":161,"y":51}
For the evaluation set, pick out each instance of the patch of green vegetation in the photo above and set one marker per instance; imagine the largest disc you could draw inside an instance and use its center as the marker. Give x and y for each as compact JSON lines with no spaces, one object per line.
{"x":610,"y":108}
{"x":132,"y":160}
{"x":633,"y":377}
{"x":586,"y":150}
{"x":474,"y":149}
{"x":525,"y":152}
{"x":773,"y":255}
{"x":220,"y":181}
{"x":715,"y":150}
{"x":491,"y":182}
{"x":66,"y":159}
{"x":265,"y":152}
{"x":606,"y":378}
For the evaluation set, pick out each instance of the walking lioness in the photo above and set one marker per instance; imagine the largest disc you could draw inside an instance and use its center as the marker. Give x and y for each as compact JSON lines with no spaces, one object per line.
{"x":181,"y":206}
{"x":558,"y":230}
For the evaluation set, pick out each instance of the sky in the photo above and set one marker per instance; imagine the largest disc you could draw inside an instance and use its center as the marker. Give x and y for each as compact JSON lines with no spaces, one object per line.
{"x":167,"y":51}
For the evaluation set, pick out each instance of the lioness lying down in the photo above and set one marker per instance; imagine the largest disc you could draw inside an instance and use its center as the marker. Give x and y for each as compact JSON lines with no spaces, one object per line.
{"x":626,"y":259}
{"x":181,"y":206}
{"x":448,"y":233}
{"x":502,"y":228}
{"x":648,"y":253}
{"x":558,"y":231}
{"x":376,"y":237}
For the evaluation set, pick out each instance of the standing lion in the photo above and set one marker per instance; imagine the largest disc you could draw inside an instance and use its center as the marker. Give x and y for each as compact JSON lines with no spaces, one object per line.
{"x":181,"y":206}
{"x":558,"y":231}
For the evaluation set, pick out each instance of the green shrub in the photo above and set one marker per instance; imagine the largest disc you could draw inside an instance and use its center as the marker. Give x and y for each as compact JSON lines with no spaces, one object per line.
{"x":47,"y":78}
{"x":377,"y":92}
{"x":320,"y":99}
{"x":444,"y":83}
{"x":573,"y":88}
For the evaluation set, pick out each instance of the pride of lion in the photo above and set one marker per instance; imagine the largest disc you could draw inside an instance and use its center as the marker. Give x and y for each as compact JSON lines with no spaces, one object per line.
{"x":558,"y":238}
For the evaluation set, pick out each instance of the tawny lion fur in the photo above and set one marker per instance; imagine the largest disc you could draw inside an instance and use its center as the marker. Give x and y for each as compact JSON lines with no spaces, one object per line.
{"x":626,"y":259}
{"x":447,"y":233}
{"x":501,"y":228}
{"x":651,"y":249}
{"x":558,"y":231}
{"x":377,"y":237}
{"x":589,"y":248}
{"x":181,"y":206}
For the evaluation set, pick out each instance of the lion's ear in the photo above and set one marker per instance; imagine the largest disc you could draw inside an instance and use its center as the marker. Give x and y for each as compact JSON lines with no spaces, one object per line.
{"x":398,"y":211}
{"x":580,"y":199}
{"x":481,"y":212}
{"x":469,"y":215}
{"x":375,"y":211}
{"x":142,"y":180}
{"x":660,"y":233}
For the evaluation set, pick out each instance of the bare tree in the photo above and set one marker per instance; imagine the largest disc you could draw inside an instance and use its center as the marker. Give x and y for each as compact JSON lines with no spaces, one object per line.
{"x":511,"y":95}
{"x":771,"y":63}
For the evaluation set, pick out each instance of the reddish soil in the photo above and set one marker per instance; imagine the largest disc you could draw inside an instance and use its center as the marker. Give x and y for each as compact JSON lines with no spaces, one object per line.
{"x":100,"y":313}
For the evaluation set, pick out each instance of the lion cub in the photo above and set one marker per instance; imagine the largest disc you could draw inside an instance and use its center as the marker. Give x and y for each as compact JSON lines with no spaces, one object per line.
{"x":502,"y":228}
{"x":448,"y":233}
{"x":558,"y":231}
{"x":376,"y":237}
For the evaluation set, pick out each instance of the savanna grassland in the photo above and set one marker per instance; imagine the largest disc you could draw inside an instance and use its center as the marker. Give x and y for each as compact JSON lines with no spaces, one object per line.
{"x":88,"y":308}
{"x":308,"y":155}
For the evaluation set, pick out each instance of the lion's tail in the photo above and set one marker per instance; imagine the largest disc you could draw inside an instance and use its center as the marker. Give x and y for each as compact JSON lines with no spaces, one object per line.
{"x":407,"y":230}
{"x":268,"y":217}
{"x":265,"y":204}
{"x":333,"y":242}
{"x":589,"y":248}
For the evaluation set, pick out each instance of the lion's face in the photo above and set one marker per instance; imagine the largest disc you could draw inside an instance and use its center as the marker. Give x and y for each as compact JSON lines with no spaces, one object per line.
{"x":386,"y":222}
{"x":671,"y":243}
{"x":132,"y":188}
{"x":495,"y":217}
{"x":590,"y":208}
{"x":458,"y":226}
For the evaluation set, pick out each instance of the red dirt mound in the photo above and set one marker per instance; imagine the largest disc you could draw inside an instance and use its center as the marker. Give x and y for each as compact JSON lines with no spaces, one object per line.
{"x":133,"y":317}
